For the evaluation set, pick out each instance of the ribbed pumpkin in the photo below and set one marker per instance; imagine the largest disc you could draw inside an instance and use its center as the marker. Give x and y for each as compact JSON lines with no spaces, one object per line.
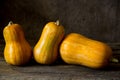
{"x":46,"y":49}
{"x":80,"y":50}
{"x":17,"y":50}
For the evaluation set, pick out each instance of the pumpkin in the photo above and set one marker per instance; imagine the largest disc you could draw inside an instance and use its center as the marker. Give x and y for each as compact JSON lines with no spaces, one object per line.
{"x":17,"y":50}
{"x":80,"y":50}
{"x":47,"y":47}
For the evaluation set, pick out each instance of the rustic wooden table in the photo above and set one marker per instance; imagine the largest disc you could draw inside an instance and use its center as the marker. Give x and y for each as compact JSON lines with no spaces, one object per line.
{"x":58,"y":71}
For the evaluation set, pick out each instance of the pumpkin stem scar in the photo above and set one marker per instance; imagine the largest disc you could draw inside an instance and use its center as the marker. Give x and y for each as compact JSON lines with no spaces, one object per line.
{"x":10,"y":23}
{"x":114,"y":60}
{"x":57,"y":23}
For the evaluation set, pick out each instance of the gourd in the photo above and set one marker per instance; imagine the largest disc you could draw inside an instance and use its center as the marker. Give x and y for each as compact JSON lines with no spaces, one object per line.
{"x":80,"y":50}
{"x":17,"y":50}
{"x":47,"y":48}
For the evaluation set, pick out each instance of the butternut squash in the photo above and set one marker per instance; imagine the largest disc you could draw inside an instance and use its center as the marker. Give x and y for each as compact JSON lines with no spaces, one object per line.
{"x":47,"y":47}
{"x":80,"y":50}
{"x":17,"y":50}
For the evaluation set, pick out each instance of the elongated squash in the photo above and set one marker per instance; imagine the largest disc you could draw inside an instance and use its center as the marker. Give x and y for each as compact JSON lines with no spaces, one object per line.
{"x":17,"y":50}
{"x":80,"y":50}
{"x":46,"y":49}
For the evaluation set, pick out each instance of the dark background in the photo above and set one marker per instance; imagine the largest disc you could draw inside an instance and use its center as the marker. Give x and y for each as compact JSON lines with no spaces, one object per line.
{"x":97,"y":19}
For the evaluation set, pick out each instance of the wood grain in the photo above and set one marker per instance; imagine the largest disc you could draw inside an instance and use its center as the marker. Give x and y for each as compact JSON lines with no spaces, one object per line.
{"x":57,"y":71}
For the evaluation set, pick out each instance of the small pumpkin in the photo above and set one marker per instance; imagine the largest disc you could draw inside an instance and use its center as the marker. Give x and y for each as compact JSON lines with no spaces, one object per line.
{"x":47,"y":47}
{"x":17,"y":50}
{"x":80,"y":50}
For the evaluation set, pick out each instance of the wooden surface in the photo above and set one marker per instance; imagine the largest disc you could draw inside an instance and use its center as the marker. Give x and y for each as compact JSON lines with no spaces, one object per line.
{"x":97,"y":19}
{"x":58,"y":71}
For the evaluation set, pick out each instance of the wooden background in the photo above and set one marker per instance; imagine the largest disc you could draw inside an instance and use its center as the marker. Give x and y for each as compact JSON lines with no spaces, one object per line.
{"x":97,"y":19}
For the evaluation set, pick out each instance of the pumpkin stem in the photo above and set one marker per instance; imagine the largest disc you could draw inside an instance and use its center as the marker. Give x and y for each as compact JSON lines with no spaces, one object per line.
{"x":10,"y":23}
{"x":57,"y":22}
{"x":114,"y":60}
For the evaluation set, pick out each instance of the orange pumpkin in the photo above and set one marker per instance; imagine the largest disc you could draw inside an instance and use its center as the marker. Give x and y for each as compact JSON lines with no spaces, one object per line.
{"x":17,"y":50}
{"x":46,"y":49}
{"x":80,"y":50}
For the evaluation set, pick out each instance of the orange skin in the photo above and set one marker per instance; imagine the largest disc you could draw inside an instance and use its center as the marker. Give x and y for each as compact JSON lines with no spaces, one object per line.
{"x":46,"y":49}
{"x":17,"y":50}
{"x":80,"y":50}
